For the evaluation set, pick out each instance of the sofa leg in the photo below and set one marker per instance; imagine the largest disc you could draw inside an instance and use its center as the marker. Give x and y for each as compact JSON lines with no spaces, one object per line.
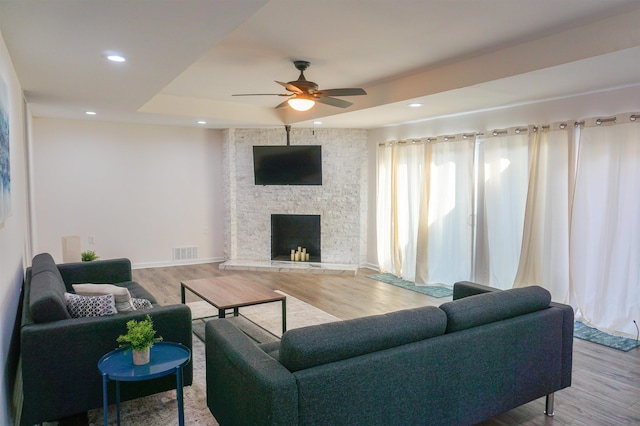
{"x":548,"y":407}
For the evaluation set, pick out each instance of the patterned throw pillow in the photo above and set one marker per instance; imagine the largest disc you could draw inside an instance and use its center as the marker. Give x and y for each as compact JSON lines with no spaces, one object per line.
{"x":141,"y":303}
{"x":121,"y":294}
{"x":90,"y":306}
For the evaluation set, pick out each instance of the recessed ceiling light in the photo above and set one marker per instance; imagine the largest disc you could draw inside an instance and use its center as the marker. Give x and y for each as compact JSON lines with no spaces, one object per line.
{"x":116,"y":58}
{"x":317,"y":122}
{"x":90,"y":112}
{"x":415,"y":105}
{"x":202,"y":122}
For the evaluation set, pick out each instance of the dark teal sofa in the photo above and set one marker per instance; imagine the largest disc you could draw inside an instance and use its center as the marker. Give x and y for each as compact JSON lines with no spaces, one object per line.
{"x":482,"y":354}
{"x":60,"y":354}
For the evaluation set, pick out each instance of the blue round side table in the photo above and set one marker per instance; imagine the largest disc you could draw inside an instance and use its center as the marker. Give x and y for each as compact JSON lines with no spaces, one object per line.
{"x":166,"y":358}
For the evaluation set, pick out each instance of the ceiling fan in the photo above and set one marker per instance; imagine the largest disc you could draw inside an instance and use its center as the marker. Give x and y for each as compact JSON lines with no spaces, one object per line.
{"x":304,"y":93}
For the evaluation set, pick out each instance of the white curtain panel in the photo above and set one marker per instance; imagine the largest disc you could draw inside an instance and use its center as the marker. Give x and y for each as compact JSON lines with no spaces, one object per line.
{"x":544,"y":258}
{"x":384,"y":208}
{"x":445,"y":236}
{"x":400,"y":180}
{"x":605,"y":227}
{"x":503,"y":181}
{"x":409,"y":182}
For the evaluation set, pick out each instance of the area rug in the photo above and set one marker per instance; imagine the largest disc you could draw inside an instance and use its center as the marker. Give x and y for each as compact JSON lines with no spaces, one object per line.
{"x":162,"y":409}
{"x":430,"y":290}
{"x":581,"y":331}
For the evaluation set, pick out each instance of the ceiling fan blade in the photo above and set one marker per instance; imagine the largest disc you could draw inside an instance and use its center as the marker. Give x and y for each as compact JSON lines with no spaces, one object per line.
{"x":282,"y":105}
{"x":289,"y":87}
{"x":263,"y":94}
{"x":342,"y":92}
{"x":333,"y":102}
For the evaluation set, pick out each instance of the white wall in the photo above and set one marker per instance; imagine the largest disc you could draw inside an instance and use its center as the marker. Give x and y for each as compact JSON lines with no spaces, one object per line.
{"x":138,"y":190}
{"x":601,"y":104}
{"x":13,"y":238}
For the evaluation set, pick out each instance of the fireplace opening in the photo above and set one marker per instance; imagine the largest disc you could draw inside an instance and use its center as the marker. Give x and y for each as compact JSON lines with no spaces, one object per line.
{"x":290,"y":231}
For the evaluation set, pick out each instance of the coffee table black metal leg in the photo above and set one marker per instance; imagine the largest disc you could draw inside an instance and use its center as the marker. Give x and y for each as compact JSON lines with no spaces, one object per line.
{"x":284,"y":315}
{"x":182,"y":295}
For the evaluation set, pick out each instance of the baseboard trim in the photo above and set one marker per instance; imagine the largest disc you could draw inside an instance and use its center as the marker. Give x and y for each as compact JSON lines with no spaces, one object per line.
{"x":371,"y":266}
{"x":164,"y":264}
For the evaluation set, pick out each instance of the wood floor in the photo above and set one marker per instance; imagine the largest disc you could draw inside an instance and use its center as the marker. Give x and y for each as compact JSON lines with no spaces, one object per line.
{"x":606,"y":382}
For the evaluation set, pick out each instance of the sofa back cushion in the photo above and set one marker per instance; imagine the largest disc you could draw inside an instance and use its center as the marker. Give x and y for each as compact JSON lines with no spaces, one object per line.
{"x":46,"y":294}
{"x":307,"y":347}
{"x":473,"y":311}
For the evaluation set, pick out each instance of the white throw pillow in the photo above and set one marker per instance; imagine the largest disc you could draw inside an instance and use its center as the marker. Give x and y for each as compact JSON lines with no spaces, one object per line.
{"x":121,"y":294}
{"x":90,"y":306}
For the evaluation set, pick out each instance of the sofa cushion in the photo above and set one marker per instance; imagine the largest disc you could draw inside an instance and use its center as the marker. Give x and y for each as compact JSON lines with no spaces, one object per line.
{"x":90,"y":306}
{"x":321,"y":344}
{"x":121,"y":294}
{"x":473,"y":311}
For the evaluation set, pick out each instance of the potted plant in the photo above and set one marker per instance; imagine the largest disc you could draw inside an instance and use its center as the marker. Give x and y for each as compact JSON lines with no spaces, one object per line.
{"x":89,"y":255}
{"x":140,"y":338}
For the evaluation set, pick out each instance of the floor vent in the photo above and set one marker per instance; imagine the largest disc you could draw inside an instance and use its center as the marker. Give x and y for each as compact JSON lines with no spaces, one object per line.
{"x":185,"y":253}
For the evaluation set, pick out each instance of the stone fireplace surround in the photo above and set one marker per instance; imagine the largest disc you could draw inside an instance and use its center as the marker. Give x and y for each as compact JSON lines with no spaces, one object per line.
{"x":340,"y":201}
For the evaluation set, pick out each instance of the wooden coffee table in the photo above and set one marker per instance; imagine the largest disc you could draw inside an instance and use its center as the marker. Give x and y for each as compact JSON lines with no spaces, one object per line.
{"x":233,"y":292}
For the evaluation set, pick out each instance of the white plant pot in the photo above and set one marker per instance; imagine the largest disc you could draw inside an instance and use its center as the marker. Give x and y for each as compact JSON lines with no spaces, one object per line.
{"x":141,"y":357}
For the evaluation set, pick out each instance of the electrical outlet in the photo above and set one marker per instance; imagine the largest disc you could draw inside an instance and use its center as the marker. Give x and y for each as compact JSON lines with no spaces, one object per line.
{"x":91,"y":239}
{"x":205,"y":230}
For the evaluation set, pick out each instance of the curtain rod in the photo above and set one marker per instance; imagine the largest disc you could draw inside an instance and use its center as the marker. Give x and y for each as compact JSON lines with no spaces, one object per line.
{"x":599,"y":122}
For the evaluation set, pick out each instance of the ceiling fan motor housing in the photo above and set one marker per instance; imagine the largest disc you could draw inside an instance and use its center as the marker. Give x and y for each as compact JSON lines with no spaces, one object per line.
{"x":301,"y":65}
{"x":302,"y":83}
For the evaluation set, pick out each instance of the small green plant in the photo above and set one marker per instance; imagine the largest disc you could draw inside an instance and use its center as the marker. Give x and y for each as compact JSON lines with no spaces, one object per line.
{"x":140,"y":335}
{"x":89,"y":255}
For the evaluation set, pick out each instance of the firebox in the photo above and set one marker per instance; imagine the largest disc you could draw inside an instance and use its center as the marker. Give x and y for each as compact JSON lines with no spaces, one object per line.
{"x":290,"y":231}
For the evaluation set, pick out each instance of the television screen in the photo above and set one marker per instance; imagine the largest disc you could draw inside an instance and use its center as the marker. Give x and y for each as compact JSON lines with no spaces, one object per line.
{"x":287,"y":164}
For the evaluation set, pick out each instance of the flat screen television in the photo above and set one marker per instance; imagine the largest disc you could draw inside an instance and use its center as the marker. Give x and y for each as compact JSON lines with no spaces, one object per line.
{"x":287,"y":164}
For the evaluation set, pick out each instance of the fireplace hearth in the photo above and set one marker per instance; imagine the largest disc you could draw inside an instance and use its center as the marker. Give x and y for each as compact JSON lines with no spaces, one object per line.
{"x":290,"y":231}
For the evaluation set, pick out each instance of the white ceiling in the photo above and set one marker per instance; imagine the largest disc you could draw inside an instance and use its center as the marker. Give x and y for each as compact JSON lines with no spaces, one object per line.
{"x":187,"y":57}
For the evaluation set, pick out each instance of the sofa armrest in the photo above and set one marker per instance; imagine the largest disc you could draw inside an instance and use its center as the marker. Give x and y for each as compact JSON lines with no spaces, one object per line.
{"x":244,"y":384}
{"x":98,"y":271}
{"x":463,"y":289}
{"x":568,"y":321}
{"x":60,"y":360}
{"x":467,"y":288}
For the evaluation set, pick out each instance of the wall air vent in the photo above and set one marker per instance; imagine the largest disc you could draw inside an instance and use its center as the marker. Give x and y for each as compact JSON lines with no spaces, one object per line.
{"x":185,"y":253}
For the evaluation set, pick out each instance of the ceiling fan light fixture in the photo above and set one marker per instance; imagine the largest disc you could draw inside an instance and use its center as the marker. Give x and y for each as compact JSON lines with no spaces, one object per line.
{"x":300,"y":103}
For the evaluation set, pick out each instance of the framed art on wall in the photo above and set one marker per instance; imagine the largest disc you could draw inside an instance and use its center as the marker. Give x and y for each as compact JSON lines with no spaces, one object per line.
{"x":5,"y":172}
